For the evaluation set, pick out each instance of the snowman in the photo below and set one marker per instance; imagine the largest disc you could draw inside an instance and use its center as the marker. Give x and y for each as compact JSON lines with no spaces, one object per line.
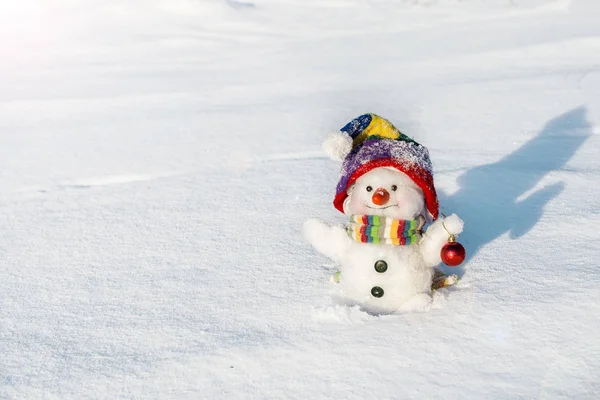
{"x":386,"y":258}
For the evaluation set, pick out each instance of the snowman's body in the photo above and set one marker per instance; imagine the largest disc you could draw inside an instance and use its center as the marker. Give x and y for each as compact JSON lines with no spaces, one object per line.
{"x":383,"y":276}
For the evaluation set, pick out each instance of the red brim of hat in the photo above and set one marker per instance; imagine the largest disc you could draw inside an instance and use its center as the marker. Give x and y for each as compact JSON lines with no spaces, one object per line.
{"x":418,"y":175}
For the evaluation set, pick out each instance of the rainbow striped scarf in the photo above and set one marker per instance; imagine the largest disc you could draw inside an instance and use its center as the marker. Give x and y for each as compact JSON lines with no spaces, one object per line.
{"x":384,"y":230}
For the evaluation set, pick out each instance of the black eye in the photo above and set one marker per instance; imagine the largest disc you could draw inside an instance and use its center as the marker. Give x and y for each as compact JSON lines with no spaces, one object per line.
{"x":394,"y":188}
{"x":369,"y":188}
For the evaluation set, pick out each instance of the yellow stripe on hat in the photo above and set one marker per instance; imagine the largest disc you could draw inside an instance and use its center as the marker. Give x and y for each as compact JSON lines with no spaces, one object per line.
{"x":380,"y":127}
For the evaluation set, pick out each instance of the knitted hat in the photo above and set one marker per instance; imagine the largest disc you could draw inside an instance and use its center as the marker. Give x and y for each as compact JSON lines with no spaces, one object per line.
{"x":369,"y":142}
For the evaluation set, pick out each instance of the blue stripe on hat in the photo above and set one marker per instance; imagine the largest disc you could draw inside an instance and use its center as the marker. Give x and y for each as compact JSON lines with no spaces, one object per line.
{"x":357,"y":125}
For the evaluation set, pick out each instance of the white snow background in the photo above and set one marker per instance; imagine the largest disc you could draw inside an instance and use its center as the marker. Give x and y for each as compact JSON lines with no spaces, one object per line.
{"x":158,"y":158}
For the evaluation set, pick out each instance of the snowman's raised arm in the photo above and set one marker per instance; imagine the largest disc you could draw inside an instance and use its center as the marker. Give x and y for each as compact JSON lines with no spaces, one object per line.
{"x":436,"y":236}
{"x":331,"y":241}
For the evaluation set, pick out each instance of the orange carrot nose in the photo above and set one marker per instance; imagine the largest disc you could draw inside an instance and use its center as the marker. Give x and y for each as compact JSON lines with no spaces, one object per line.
{"x":381,"y":196}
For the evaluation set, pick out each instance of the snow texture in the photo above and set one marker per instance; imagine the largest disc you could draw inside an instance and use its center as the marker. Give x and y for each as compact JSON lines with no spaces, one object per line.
{"x":158,"y":159}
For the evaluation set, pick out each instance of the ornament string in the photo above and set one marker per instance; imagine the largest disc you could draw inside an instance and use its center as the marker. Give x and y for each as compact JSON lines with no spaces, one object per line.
{"x":451,"y":237}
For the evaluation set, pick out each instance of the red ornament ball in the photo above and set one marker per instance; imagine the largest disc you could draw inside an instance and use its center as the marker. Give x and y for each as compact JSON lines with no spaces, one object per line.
{"x":453,"y":254}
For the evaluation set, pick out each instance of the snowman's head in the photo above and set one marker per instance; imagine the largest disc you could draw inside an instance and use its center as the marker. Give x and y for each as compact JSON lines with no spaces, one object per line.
{"x":387,"y":192}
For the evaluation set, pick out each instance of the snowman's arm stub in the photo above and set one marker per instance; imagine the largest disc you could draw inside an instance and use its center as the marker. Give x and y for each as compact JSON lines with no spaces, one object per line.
{"x":436,"y":236}
{"x":331,"y":241}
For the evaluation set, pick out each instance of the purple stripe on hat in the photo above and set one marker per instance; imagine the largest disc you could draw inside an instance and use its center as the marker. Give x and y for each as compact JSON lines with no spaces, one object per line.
{"x":405,"y":153}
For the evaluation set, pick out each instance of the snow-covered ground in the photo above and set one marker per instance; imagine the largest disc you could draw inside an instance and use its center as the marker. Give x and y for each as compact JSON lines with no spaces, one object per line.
{"x":158,"y":158}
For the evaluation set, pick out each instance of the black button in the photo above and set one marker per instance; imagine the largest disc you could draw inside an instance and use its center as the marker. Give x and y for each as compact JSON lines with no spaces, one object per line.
{"x":380,"y":266}
{"x":377,"y":291}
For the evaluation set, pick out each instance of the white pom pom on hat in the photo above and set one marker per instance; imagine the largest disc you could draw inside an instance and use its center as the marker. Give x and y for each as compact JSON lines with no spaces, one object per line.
{"x":337,"y":145}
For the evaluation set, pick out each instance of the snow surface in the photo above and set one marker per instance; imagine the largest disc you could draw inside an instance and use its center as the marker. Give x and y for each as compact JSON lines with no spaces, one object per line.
{"x":158,"y":158}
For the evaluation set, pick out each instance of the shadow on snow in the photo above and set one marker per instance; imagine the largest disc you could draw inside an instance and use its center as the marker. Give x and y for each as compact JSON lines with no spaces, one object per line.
{"x":489,"y":199}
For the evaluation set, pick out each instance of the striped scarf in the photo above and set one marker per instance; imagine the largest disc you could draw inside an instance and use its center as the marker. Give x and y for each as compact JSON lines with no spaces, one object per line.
{"x":384,"y":230}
